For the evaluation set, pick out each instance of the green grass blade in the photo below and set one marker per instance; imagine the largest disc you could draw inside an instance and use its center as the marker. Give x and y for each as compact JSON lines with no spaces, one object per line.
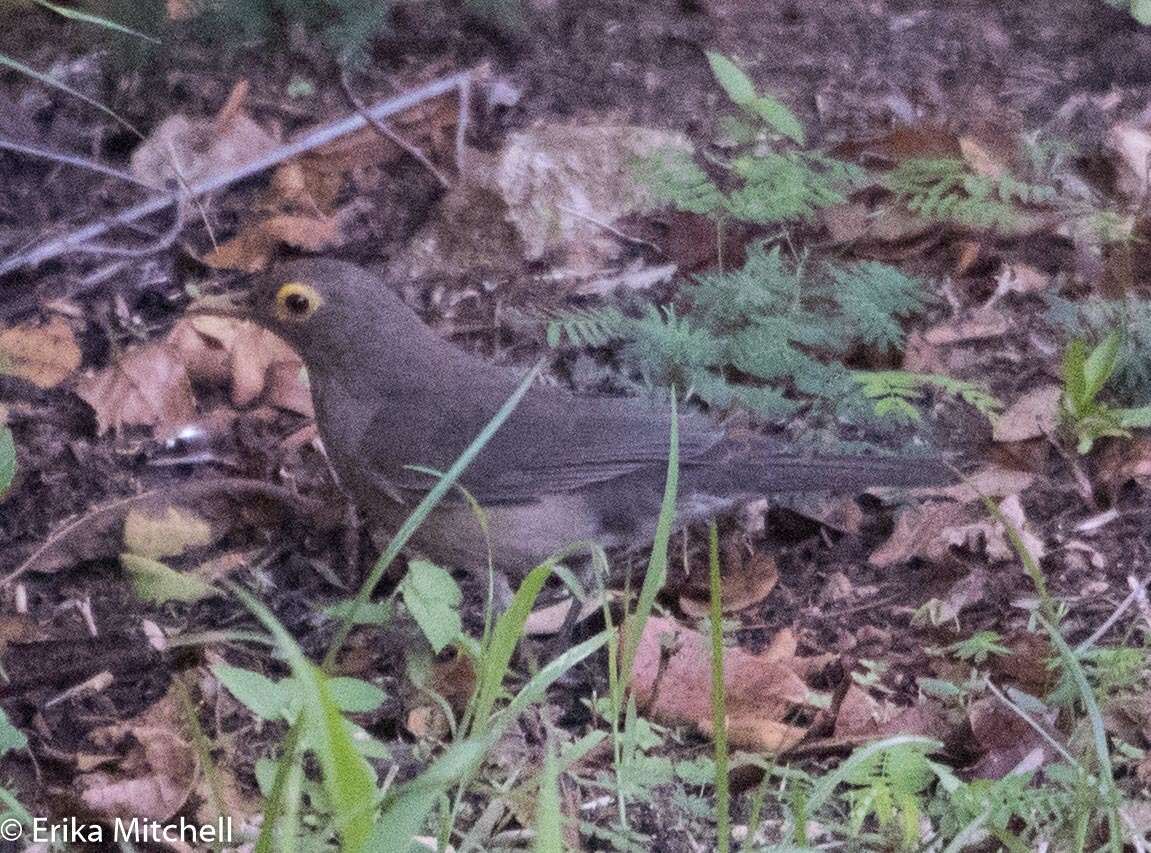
{"x":549,"y":814}
{"x":348,"y":779}
{"x":718,"y":698}
{"x":657,"y":563}
{"x":28,"y":71}
{"x":78,"y":15}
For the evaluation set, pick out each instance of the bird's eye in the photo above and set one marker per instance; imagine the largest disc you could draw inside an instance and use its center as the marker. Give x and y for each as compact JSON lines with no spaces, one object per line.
{"x":296,"y":301}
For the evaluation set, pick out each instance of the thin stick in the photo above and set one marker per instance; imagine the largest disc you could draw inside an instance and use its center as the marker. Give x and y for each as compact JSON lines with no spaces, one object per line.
{"x":389,"y":134}
{"x":310,"y":141}
{"x":71,"y":160}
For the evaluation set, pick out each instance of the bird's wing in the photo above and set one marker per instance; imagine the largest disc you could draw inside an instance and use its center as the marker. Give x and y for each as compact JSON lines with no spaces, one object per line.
{"x":554,"y":442}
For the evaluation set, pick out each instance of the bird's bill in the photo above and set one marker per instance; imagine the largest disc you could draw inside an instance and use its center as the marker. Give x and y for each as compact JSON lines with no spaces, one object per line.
{"x":237,"y":304}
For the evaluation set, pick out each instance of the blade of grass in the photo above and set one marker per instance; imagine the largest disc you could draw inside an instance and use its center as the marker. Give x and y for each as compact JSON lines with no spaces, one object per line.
{"x":718,"y":698}
{"x":29,"y":71}
{"x":1108,"y":791}
{"x":549,"y":814}
{"x":348,"y":779}
{"x":78,"y":15}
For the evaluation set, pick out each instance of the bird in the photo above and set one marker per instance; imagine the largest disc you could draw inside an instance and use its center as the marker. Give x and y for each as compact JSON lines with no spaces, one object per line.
{"x":395,"y":402}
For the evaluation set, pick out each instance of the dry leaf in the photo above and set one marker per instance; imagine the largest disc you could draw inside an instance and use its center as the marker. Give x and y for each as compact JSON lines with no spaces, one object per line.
{"x":45,"y":355}
{"x":745,"y":583}
{"x":992,"y":481}
{"x":257,"y":363}
{"x":1131,"y":147}
{"x":762,"y":690}
{"x":560,"y":181}
{"x":225,"y":503}
{"x":147,"y":386}
{"x":251,"y":250}
{"x":981,"y":324}
{"x":156,"y":770}
{"x":189,"y":150}
{"x":166,"y":534}
{"x":1034,"y":415}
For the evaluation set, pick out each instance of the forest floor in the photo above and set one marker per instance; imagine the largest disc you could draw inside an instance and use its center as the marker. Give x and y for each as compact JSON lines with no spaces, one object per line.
{"x":144,"y":432}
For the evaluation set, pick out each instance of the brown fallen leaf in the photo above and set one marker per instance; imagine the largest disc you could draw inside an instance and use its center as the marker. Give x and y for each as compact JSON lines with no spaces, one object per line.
{"x":44,"y":355}
{"x":187,"y":149}
{"x":991,"y":481}
{"x":252,"y":249}
{"x":155,"y":770}
{"x":980,"y":324}
{"x":146,"y":386}
{"x":762,"y":690}
{"x":745,"y":583}
{"x":165,"y":532}
{"x":258,"y":364}
{"x":1130,"y":146}
{"x":224,"y":503}
{"x":1034,"y":415}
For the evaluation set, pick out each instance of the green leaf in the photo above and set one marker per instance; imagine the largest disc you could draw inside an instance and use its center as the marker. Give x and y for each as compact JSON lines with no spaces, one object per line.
{"x":549,"y":814}
{"x":157,"y":583}
{"x":1074,"y":382}
{"x":781,"y":119}
{"x":1141,"y":11}
{"x":10,"y":737}
{"x":1099,"y":366}
{"x":737,"y":84}
{"x":267,"y":698}
{"x":433,"y":598}
{"x":1139,"y":418}
{"x":348,"y":779}
{"x":7,"y":459}
{"x":355,"y":696}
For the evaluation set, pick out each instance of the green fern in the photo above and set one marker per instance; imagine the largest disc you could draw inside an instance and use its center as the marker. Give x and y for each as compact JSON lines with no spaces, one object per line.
{"x":946,"y":189}
{"x":770,"y":336}
{"x":591,"y":327}
{"x":895,"y":391}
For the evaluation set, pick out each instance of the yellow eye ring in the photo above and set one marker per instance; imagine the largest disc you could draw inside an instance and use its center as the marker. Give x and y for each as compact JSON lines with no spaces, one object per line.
{"x":296,"y":302}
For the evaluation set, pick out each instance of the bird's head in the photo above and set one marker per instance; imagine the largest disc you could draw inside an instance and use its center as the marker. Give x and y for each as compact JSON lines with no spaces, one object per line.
{"x":329,"y":311}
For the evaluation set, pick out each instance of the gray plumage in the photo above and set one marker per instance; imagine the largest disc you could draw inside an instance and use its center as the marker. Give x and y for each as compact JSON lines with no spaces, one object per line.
{"x":390,"y":393}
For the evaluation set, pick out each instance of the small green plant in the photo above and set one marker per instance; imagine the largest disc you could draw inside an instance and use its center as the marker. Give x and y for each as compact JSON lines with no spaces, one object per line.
{"x":7,"y":457}
{"x":979,"y":647}
{"x":1085,"y":375}
{"x":768,"y":180}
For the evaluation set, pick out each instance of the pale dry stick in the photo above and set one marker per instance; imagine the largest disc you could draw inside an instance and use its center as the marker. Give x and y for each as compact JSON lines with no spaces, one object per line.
{"x":310,"y":141}
{"x":390,"y":134}
{"x":72,"y":160}
{"x":1139,"y":587}
{"x":1139,"y":590}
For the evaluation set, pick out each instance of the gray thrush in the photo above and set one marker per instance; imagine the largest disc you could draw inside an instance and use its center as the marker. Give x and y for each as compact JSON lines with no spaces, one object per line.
{"x":390,"y":393}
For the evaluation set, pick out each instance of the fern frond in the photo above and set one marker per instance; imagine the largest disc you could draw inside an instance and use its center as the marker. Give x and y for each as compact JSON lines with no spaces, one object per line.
{"x":672,"y":176}
{"x":874,"y":297}
{"x":589,"y":327}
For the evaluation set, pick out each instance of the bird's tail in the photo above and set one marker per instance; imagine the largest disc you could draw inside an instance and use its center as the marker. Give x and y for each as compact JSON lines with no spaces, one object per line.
{"x":764,"y":471}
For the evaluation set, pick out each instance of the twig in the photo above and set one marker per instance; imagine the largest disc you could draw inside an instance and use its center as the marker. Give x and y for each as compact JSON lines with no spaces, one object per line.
{"x":72,"y":160}
{"x":161,"y":243}
{"x":390,"y":134}
{"x":609,"y":228}
{"x":310,"y":141}
{"x":1138,"y":588}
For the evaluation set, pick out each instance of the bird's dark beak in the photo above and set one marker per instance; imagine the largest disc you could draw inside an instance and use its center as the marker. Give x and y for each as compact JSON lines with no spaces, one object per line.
{"x":237,"y":304}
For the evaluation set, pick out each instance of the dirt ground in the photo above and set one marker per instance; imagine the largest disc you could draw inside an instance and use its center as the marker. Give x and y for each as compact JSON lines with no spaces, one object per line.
{"x":852,"y":71}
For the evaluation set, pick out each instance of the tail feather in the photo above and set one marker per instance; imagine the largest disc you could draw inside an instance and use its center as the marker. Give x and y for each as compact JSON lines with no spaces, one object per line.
{"x":775,"y":472}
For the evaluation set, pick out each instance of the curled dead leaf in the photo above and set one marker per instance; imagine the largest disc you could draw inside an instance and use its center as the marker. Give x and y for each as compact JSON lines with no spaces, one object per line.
{"x":251,"y":250}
